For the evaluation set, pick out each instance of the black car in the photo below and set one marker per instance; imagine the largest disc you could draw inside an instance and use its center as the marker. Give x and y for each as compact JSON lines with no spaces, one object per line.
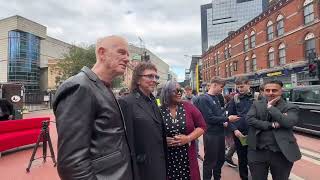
{"x":308,"y":99}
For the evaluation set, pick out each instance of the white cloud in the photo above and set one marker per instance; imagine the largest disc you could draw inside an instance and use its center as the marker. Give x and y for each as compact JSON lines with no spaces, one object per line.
{"x":170,"y":29}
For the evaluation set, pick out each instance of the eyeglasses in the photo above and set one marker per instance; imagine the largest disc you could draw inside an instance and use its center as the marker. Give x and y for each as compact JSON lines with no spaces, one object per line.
{"x":178,"y":91}
{"x":151,"y":76}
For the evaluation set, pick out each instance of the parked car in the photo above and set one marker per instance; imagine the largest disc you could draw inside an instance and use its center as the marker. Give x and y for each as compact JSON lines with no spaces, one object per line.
{"x":308,"y":99}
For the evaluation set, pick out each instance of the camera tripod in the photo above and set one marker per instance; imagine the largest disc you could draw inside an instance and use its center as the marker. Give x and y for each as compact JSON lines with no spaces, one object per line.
{"x":45,"y":137}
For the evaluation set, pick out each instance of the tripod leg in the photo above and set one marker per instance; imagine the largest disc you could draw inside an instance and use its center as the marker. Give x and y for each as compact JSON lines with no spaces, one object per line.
{"x":51,"y":150}
{"x":44,"y":152}
{"x":34,"y":151}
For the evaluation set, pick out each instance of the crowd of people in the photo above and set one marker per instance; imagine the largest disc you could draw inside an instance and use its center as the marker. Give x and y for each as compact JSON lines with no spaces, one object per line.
{"x":137,"y":137}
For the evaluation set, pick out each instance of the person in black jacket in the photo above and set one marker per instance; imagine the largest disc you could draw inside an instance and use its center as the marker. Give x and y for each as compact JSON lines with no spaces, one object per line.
{"x":6,"y":110}
{"x":214,"y":141}
{"x":240,"y":105}
{"x":145,"y":126}
{"x":92,"y":139}
{"x":271,"y":143}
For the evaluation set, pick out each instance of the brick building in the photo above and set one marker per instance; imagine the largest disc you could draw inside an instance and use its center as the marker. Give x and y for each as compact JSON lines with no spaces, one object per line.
{"x":279,"y":44}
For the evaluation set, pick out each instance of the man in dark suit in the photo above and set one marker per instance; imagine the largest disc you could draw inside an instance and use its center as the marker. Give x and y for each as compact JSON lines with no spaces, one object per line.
{"x":92,"y":140}
{"x":271,"y":143}
{"x":145,"y":125}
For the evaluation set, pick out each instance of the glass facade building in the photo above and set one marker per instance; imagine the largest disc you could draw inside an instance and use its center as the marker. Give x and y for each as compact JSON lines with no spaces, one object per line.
{"x":24,"y":59}
{"x":221,"y":17}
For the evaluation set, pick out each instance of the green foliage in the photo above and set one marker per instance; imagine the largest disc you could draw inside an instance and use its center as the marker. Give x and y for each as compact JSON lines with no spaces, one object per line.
{"x":78,"y":57}
{"x":73,"y":61}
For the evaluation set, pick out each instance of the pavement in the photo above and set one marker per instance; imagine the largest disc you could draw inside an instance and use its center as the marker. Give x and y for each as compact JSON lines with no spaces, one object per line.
{"x":13,"y":164}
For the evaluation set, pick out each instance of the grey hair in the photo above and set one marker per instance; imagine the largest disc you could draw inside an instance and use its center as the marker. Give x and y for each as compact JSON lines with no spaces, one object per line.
{"x":166,"y":92}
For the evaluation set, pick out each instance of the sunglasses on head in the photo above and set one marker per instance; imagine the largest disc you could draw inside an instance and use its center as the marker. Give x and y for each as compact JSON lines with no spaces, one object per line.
{"x":151,"y":76}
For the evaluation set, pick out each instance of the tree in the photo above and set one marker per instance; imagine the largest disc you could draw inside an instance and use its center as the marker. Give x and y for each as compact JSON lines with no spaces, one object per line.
{"x":78,"y":57}
{"x":73,"y":61}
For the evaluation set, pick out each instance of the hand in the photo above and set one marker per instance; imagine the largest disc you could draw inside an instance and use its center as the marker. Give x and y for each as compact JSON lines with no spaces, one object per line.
{"x":238,"y":134}
{"x":274,"y":101}
{"x":10,"y":117}
{"x":233,"y":118}
{"x":171,"y":142}
{"x":182,"y":139}
{"x":275,"y":125}
{"x":225,"y":124}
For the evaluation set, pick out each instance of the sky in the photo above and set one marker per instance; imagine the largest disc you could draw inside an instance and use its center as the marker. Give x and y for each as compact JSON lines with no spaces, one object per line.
{"x":171,"y":29}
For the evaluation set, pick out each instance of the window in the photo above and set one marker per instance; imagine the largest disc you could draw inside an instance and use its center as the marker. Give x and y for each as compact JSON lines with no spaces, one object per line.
{"x":225,"y":53}
{"x":247,"y":65}
{"x":308,"y":11}
{"x":271,"y":57}
{"x":280,"y":25}
{"x":253,"y":39}
{"x":23,"y":59}
{"x":310,"y":44}
{"x":269,"y":31}
{"x":218,"y":57}
{"x":219,"y":71}
{"x":282,"y":54}
{"x":226,"y":71}
{"x":307,"y":95}
{"x":246,"y":43}
{"x":230,"y":69}
{"x":254,"y":63}
{"x":235,"y":66}
{"x":229,"y":50}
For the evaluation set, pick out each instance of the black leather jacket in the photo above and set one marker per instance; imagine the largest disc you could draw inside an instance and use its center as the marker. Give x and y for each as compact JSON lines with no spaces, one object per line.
{"x":92,"y":141}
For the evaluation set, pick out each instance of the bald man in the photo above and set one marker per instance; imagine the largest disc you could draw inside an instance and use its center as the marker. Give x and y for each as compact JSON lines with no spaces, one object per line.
{"x":92,"y":139}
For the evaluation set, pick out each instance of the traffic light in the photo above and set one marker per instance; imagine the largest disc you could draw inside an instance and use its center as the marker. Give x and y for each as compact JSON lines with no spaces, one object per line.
{"x":312,"y":69}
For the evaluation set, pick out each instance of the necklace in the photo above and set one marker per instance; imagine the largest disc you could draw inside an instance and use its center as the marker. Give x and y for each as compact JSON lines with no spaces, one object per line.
{"x":174,"y":119}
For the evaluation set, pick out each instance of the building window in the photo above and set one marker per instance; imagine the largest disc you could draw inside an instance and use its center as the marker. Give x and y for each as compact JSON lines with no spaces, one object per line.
{"x":282,"y":54}
{"x":252,"y":39}
{"x":226,"y":70}
{"x":280,"y":25}
{"x":310,"y":45}
{"x":269,"y":31}
{"x":219,"y":71}
{"x":229,"y":50}
{"x":24,"y":59}
{"x":271,"y":57}
{"x":230,"y":69}
{"x":254,"y":63}
{"x":225,"y":53}
{"x":246,"y":43}
{"x":308,"y":11}
{"x":215,"y":58}
{"x":218,"y":57}
{"x":235,"y":66}
{"x":246,"y":65}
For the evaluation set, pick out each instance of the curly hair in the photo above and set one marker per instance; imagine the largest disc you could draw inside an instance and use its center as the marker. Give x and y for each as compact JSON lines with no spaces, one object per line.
{"x":137,"y":71}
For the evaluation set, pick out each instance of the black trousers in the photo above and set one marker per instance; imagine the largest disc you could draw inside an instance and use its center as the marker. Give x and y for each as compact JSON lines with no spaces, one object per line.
{"x":214,"y":152}
{"x":242,"y":152}
{"x":260,"y":161}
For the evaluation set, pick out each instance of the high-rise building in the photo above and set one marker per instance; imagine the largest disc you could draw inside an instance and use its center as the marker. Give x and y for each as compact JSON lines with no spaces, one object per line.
{"x":224,"y":16}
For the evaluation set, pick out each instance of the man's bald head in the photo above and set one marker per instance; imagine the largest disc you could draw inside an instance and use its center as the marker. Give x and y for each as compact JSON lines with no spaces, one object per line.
{"x":109,"y":42}
{"x":112,"y":55}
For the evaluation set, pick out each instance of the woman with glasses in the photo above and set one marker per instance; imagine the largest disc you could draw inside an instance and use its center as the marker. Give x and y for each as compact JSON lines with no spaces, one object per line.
{"x":144,"y":124}
{"x":183,"y":124}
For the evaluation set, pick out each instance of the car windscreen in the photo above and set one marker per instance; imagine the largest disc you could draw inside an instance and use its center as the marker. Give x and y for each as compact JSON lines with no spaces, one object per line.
{"x":310,"y":95}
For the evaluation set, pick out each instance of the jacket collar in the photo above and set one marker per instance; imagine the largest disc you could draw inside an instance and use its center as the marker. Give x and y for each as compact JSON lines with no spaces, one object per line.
{"x":90,"y":73}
